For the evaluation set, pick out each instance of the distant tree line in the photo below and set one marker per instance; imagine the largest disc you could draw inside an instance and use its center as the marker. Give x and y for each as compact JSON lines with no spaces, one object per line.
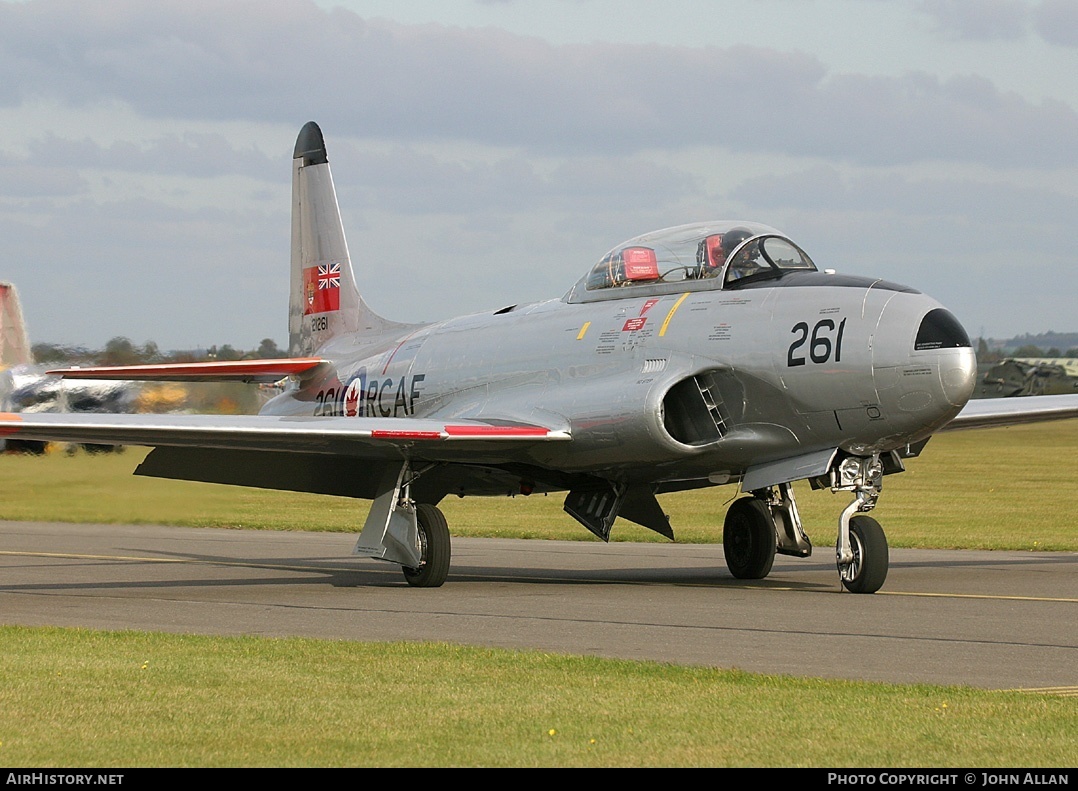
{"x":1035,"y":351}
{"x":987,"y":355}
{"x":121,"y":351}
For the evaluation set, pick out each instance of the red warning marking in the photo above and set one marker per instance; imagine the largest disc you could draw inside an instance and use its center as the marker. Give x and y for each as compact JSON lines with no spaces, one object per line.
{"x":8,"y":417}
{"x":496,"y":431}
{"x":387,"y":434}
{"x":283,"y":367}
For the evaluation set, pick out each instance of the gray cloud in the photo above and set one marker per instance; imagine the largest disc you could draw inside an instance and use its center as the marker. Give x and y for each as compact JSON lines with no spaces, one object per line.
{"x":189,"y":154}
{"x":979,"y":20}
{"x":880,"y":120}
{"x":143,"y":269}
{"x":1057,"y":22}
{"x":19,"y":179}
{"x":287,"y":60}
{"x":994,"y":203}
{"x":412,"y":182}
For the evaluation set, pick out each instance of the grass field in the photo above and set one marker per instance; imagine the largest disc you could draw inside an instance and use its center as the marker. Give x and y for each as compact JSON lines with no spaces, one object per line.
{"x":79,"y":698}
{"x":98,"y":699}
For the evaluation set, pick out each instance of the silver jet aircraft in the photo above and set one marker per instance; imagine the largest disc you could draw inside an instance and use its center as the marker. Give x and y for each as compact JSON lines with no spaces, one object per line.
{"x":702,"y":355}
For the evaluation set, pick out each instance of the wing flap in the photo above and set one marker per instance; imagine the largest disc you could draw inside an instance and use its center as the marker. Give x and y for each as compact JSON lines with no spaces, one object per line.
{"x":223,"y":371}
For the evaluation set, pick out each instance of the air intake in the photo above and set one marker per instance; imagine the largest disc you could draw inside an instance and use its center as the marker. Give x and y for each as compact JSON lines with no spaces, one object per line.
{"x":693,"y":411}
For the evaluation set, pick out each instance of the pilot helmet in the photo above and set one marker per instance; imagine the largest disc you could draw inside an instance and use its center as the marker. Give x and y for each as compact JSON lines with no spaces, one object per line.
{"x":734,"y":237}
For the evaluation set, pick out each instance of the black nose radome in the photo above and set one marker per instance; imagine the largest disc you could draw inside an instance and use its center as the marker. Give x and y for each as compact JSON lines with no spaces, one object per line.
{"x":940,"y":330}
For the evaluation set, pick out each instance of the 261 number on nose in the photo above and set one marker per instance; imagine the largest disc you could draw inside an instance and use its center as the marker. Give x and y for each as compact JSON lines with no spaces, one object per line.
{"x":824,"y":340}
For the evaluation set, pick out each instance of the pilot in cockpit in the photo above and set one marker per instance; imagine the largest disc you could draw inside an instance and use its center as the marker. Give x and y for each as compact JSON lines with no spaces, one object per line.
{"x":744,"y":263}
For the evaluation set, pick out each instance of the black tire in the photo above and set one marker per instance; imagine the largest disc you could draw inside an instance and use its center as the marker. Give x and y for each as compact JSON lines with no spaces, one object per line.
{"x":748,"y":539}
{"x":434,"y":539}
{"x":868,"y":570}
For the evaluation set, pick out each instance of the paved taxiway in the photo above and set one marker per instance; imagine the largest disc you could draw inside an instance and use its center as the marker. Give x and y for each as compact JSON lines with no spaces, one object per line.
{"x":997,"y":620}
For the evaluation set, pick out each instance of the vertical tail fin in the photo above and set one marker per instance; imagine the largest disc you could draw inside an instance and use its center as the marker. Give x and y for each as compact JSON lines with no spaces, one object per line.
{"x":324,"y":300}
{"x":14,"y":342}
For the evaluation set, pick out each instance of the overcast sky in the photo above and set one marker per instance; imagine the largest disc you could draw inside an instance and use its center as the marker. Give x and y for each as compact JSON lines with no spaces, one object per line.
{"x":488,"y":152}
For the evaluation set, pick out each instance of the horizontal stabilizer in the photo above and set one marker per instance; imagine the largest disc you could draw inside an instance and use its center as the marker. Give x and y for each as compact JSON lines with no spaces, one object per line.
{"x":225,"y":371}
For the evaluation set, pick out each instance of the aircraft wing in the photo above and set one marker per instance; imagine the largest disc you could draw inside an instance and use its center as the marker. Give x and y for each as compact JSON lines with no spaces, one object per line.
{"x":988,"y":412}
{"x":223,"y":371}
{"x":345,"y":436}
{"x":356,"y":436}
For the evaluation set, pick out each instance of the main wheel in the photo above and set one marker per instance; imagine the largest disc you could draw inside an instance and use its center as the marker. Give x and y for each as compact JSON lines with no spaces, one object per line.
{"x":868,"y":569}
{"x":748,"y":539}
{"x":435,"y":546}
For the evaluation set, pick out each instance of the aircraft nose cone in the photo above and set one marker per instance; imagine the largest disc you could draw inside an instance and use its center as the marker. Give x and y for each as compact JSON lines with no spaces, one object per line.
{"x":958,"y":375}
{"x":941,"y":337}
{"x":923,"y":364}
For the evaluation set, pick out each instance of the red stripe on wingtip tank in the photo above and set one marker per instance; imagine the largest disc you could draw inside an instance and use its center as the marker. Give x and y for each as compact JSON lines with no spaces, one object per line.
{"x":496,"y":431}
{"x":8,"y":417}
{"x":385,"y":434}
{"x":285,"y":367}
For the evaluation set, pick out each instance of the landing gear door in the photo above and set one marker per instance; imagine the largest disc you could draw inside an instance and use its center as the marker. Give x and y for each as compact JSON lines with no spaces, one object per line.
{"x":391,"y":531}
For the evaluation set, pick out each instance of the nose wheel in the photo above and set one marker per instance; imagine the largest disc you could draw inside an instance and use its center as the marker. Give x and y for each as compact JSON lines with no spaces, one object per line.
{"x":861,"y":549}
{"x":866,"y":569}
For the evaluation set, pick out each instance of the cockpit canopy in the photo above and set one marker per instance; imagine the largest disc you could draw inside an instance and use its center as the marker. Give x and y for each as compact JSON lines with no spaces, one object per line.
{"x":707,"y":255}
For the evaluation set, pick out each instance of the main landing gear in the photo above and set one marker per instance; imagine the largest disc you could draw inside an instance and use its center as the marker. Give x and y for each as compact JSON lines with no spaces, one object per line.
{"x":434,"y":548}
{"x":768,"y":522}
{"x":412,"y":535}
{"x":748,"y":539}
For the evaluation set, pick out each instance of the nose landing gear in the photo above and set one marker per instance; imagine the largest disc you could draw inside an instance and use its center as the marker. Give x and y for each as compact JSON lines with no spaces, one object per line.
{"x":861,"y":550}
